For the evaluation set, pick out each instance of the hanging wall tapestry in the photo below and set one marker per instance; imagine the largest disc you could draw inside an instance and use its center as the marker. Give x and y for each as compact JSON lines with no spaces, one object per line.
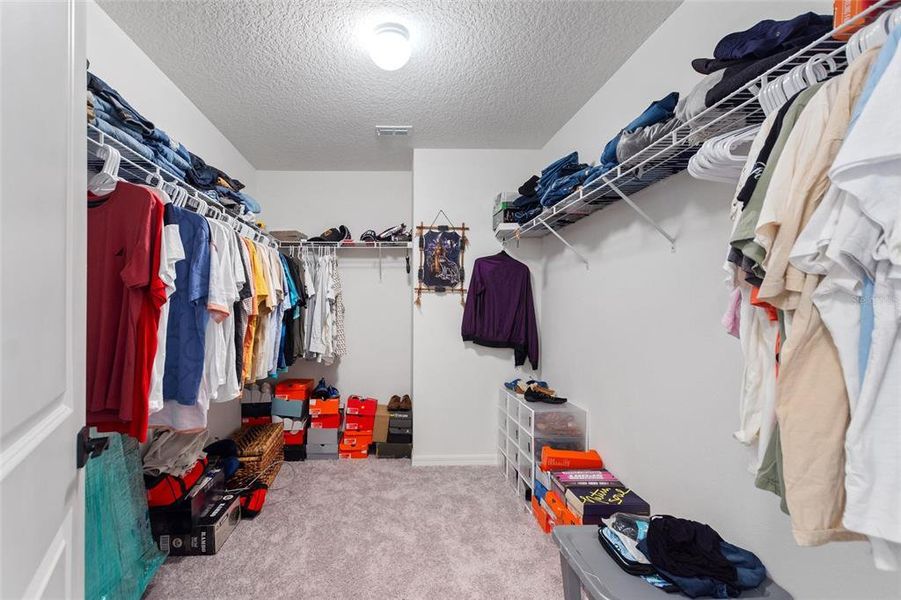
{"x":441,"y":250}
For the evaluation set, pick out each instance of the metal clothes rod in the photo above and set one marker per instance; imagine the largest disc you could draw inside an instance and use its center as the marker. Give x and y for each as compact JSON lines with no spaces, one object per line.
{"x":356,"y":245}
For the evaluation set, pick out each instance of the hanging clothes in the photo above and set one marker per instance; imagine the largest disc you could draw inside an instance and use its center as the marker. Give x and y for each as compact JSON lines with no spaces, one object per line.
{"x":499,"y":311}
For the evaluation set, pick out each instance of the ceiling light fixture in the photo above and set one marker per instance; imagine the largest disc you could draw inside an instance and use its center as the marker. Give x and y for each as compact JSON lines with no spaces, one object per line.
{"x":389,"y":47}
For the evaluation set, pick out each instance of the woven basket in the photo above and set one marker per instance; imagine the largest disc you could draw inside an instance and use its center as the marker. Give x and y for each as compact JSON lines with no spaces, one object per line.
{"x":261,"y":452}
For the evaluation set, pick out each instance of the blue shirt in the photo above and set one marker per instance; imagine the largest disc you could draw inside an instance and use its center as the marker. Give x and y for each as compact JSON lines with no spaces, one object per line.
{"x":186,"y":333}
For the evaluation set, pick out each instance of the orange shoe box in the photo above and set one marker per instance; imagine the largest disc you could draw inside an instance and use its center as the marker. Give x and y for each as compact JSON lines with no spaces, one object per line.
{"x":558,"y":460}
{"x":556,"y":505}
{"x":294,"y":389}
{"x":541,"y":516}
{"x":295,"y":438}
{"x":845,"y":10}
{"x":256,"y":420}
{"x":321,"y":408}
{"x":355,"y":441}
{"x":359,"y":423}
{"x":326,"y":422}
{"x":361,"y":406}
{"x":364,"y":453}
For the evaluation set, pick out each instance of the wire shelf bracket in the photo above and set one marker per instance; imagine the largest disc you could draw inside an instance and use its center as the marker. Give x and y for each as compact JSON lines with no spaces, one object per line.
{"x":642,"y":214}
{"x":565,"y":243}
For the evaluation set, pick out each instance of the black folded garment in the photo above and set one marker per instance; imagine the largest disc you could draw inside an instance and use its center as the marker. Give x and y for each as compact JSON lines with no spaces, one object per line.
{"x":736,"y":76}
{"x":770,"y":37}
{"x":705,"y":66}
{"x":203,"y":176}
{"x":528,"y":188}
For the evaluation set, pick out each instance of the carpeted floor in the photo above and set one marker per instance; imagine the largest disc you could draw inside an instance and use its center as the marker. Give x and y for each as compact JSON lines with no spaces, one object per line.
{"x":380,"y":530}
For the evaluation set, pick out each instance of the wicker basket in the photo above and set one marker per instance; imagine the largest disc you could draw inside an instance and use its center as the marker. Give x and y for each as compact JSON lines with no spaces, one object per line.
{"x":261,"y":452}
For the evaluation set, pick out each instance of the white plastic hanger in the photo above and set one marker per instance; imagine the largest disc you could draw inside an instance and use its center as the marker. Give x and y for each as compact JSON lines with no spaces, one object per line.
{"x":105,"y":181}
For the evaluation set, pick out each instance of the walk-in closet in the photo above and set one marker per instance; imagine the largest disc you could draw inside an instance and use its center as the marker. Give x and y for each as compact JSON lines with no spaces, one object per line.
{"x":450,"y":299}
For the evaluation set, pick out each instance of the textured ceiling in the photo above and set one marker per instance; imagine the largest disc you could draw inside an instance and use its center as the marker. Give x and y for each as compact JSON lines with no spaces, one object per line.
{"x":292,"y":86}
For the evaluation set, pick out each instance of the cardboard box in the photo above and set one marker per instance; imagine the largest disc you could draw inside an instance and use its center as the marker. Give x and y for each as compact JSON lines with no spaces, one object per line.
{"x":562,"y":480}
{"x":295,"y":438}
{"x":296,"y":409}
{"x":181,"y":517}
{"x":386,"y":450}
{"x":321,"y":408}
{"x":592,"y":504}
{"x":361,"y":406}
{"x":355,"y":441}
{"x":294,"y":389}
{"x":323,"y":436}
{"x":209,"y":534}
{"x":359,"y":422}
{"x":380,"y":426}
{"x":556,"y":504}
{"x":325,"y":422}
{"x":357,"y":454}
{"x":557,"y":460}
{"x":319,"y":449}
{"x":294,"y":453}
{"x":256,"y":409}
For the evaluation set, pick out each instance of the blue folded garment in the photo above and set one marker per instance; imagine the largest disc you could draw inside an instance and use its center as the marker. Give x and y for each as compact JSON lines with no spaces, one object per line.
{"x":563,"y":187}
{"x":124,"y":138}
{"x":661,"y":110}
{"x":551,"y":172}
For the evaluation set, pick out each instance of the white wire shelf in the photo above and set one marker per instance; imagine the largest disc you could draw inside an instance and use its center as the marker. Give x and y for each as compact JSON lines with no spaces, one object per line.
{"x":351,"y":245}
{"x":670,"y":155}
{"x":140,"y":168}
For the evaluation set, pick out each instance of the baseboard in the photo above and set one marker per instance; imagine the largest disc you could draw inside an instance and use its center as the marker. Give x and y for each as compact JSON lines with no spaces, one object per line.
{"x":420,"y":460}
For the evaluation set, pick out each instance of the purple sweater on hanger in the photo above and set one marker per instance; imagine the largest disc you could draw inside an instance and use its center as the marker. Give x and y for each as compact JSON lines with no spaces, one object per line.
{"x":499,"y":311}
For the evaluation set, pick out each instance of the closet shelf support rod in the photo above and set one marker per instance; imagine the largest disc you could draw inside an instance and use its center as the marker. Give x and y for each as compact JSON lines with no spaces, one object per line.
{"x":565,"y":243}
{"x":642,"y":214}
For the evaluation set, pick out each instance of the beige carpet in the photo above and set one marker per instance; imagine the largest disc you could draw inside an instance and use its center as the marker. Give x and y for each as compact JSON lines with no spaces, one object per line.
{"x":376,"y":529}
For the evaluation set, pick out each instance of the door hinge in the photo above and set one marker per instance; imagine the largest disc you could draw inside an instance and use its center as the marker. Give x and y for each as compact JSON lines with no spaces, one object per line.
{"x":87,"y":447}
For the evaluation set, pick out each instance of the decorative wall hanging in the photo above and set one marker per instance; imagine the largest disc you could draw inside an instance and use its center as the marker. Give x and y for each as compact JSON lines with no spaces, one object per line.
{"x":441,"y":251}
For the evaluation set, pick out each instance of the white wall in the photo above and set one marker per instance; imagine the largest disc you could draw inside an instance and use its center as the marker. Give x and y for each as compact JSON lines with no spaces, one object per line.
{"x":378,"y":313}
{"x":116,"y":59}
{"x":455,"y":384}
{"x":637,"y":338}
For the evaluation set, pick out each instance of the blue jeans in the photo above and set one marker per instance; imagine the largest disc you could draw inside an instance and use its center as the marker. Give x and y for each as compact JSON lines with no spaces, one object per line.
{"x":124,"y":110}
{"x":166,"y":153}
{"x":165,"y":164}
{"x":124,"y":138}
{"x":240,"y":197}
{"x":549,"y":173}
{"x":563,"y":187}
{"x":658,"y":111}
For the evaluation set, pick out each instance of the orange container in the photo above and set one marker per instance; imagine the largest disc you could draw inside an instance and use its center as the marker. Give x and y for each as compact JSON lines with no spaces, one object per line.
{"x":556,"y":504}
{"x":846,"y":10}
{"x":361,"y":406}
{"x":570,"y":518}
{"x":354,"y":455}
{"x":294,"y":438}
{"x":326,"y":422}
{"x":294,"y":389}
{"x":355,"y":441}
{"x":320,"y":408}
{"x":541,"y":516}
{"x":558,"y":460}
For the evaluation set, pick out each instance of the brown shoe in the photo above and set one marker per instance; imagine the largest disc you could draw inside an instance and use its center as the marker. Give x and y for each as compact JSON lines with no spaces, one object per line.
{"x":406,"y":403}
{"x":394,"y":403}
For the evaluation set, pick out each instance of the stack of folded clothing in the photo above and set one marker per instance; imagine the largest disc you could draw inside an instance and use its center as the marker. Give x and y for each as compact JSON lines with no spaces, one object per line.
{"x":678,"y":555}
{"x":742,"y":56}
{"x":655,"y":122}
{"x":114,"y":116}
{"x":557,"y":181}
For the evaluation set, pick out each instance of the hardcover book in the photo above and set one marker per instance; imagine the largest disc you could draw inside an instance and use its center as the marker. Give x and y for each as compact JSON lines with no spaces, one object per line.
{"x":599,"y":502}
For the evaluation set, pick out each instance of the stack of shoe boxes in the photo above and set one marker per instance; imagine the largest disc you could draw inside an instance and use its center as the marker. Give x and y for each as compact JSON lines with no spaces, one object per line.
{"x":359,"y":421}
{"x":325,"y":422}
{"x":290,"y":406}
{"x":399,"y":442}
{"x":256,"y":404}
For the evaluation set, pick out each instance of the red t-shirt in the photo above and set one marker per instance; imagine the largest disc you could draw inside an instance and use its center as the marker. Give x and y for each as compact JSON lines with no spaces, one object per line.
{"x":124,"y":299}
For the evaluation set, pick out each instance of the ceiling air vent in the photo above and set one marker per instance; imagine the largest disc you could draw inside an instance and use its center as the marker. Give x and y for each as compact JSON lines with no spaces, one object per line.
{"x":386,"y":130}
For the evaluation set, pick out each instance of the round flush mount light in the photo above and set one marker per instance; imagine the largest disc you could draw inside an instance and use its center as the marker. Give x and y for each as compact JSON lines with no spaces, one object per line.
{"x":389,"y":46}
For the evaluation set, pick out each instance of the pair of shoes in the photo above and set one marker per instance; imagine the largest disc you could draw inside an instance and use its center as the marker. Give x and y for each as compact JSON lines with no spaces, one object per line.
{"x":521,"y":387}
{"x":398,"y":233}
{"x":511,"y":385}
{"x":398,"y":403}
{"x":324,"y":391}
{"x":533,"y":395}
{"x":334,"y":234}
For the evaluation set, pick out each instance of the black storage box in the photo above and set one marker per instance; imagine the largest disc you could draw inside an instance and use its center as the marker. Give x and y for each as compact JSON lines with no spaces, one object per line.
{"x":209,"y":535}
{"x":400,"y":418}
{"x":389,"y":450}
{"x":256,"y":409}
{"x":400,"y":435}
{"x":295,"y":452}
{"x":181,"y":517}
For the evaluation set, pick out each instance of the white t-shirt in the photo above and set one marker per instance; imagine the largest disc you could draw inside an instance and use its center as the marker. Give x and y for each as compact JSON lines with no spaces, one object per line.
{"x":868,"y":166}
{"x":171,"y":251}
